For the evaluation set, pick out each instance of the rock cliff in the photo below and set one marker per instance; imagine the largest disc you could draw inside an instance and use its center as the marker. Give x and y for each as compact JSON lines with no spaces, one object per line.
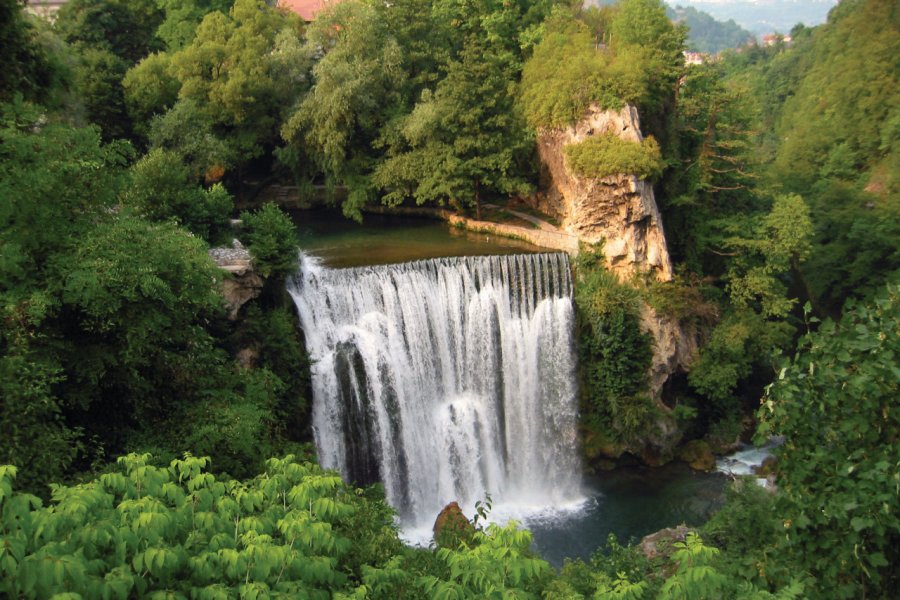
{"x":620,"y":211}
{"x":242,"y":283}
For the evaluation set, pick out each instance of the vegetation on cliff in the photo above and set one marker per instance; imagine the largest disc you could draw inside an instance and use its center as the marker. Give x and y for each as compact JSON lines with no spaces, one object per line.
{"x":605,"y":155}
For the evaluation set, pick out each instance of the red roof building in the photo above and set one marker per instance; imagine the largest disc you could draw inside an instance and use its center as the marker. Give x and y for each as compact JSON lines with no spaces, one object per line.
{"x":307,"y":9}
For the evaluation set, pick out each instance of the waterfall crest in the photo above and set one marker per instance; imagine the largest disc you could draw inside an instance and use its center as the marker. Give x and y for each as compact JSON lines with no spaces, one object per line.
{"x":445,"y":378}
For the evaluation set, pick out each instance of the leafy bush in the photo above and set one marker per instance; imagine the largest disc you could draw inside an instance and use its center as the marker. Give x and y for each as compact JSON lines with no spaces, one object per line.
{"x":566,"y":74}
{"x":163,"y":188}
{"x":272,"y":241}
{"x":141,"y":529}
{"x":614,"y":353}
{"x":608,"y":154}
{"x":738,"y":343}
{"x":836,"y":404}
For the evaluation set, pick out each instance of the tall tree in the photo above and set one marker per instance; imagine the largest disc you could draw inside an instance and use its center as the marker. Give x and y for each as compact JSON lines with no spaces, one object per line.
{"x":464,"y":141}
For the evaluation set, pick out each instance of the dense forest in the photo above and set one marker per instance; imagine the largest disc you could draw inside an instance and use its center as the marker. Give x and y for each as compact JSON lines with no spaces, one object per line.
{"x":129,"y":127}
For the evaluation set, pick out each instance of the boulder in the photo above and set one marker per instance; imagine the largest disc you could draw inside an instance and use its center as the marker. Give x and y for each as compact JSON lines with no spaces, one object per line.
{"x":698,"y":455}
{"x":660,"y":544}
{"x":452,"y":527}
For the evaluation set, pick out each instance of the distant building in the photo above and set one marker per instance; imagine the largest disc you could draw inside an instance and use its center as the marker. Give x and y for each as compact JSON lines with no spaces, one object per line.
{"x":695,"y":58}
{"x":770,"y":39}
{"x":44,"y":8}
{"x":307,"y":9}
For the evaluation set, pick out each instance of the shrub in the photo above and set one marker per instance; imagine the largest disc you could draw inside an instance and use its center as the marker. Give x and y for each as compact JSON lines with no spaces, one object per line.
{"x":271,"y":239}
{"x":608,"y":154}
{"x":614,"y":353}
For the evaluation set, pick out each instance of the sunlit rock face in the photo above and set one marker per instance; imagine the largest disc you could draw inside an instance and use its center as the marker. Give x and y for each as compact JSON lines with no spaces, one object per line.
{"x":620,"y":211}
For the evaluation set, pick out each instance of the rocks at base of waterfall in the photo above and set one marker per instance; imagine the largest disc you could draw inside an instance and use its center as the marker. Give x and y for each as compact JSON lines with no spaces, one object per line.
{"x":661,"y":543}
{"x":452,"y":527}
{"x":698,"y":455}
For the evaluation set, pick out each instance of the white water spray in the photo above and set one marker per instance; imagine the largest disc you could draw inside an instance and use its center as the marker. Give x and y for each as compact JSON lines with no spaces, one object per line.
{"x":445,"y":379}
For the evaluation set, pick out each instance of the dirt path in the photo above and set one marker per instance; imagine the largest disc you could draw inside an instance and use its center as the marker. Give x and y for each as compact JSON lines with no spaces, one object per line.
{"x":542,"y":224}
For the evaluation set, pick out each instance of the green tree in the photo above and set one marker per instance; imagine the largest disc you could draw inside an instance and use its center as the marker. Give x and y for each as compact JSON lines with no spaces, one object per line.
{"x":835,"y":402}
{"x":464,"y":141}
{"x":162,"y":188}
{"x":28,"y":70}
{"x":357,"y":90}
{"x":229,"y":73}
{"x":145,"y":530}
{"x":614,"y":353}
{"x":272,"y":241}
{"x":150,"y":88}
{"x":126,"y":29}
{"x":182,"y":17}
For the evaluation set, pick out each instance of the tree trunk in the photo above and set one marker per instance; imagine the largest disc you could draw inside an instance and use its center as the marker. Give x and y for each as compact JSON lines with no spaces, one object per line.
{"x":478,"y":200}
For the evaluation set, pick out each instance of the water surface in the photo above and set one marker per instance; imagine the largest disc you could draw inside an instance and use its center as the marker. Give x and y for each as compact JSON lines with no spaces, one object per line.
{"x":380,"y":239}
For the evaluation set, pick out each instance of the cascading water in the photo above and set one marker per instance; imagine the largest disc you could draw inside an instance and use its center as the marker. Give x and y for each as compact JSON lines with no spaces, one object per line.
{"x":445,"y":379}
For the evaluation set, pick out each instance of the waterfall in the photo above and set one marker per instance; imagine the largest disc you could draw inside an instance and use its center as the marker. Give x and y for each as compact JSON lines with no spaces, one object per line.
{"x":445,"y":379}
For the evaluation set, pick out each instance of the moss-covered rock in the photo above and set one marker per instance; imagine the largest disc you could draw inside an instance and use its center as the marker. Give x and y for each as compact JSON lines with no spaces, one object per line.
{"x":698,"y":455}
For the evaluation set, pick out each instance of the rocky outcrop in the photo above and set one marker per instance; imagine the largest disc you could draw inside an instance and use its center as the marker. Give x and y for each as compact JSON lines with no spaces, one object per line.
{"x":242,"y":283}
{"x":698,"y":455}
{"x":620,"y":211}
{"x":661,"y":543}
{"x":674,"y":347}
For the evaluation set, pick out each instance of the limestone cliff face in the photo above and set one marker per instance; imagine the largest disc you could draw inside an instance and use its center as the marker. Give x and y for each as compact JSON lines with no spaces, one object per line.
{"x":619,"y":210}
{"x":242,"y":283}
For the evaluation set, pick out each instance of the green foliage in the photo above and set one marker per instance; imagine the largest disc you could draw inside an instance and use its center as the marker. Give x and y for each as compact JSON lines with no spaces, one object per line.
{"x":27,"y":67}
{"x":567,"y":73}
{"x":150,"y":88}
{"x":739,"y":343}
{"x":779,"y":243}
{"x":143,"y":530}
{"x":234,"y":79}
{"x":836,"y":404}
{"x":126,"y":29}
{"x":106,"y":316}
{"x":500,"y":563}
{"x":134,"y":296}
{"x":747,"y":529}
{"x":270,"y":236}
{"x":162,"y":188}
{"x":608,"y":154}
{"x":273,"y":337}
{"x":715,"y":125}
{"x":464,"y":141}
{"x":188,"y":131}
{"x":182,"y":17}
{"x":832,"y":125}
{"x":108,"y":36}
{"x":356,"y":90}
{"x":237,"y":429}
{"x":614,"y":353}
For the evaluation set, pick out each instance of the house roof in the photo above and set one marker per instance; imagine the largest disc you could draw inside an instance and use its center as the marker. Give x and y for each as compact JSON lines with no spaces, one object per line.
{"x":307,"y":9}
